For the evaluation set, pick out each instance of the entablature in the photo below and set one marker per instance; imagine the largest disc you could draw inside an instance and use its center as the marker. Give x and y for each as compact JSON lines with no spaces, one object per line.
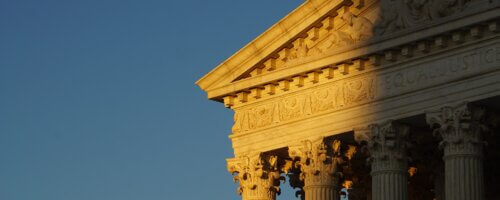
{"x":469,"y":70}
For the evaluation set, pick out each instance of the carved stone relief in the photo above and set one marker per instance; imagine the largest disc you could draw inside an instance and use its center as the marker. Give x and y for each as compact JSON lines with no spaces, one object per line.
{"x":347,"y":93}
{"x":334,"y":97}
{"x":397,"y":15}
{"x":348,"y":28}
{"x":351,"y":29}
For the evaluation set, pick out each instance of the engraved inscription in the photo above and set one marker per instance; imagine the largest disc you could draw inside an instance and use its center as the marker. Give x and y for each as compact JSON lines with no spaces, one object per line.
{"x":439,"y":71}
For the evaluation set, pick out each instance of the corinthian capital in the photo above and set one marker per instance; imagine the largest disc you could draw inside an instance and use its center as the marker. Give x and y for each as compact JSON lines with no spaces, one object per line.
{"x":460,"y":126}
{"x":388,"y":142}
{"x":319,"y":161}
{"x":258,"y":176}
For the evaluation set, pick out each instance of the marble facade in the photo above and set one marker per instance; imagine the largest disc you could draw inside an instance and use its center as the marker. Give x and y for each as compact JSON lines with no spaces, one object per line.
{"x":395,"y":100}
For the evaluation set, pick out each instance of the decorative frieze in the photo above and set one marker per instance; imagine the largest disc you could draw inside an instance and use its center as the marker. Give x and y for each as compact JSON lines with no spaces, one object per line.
{"x":333,"y":97}
{"x":258,"y":176}
{"x":346,"y":93}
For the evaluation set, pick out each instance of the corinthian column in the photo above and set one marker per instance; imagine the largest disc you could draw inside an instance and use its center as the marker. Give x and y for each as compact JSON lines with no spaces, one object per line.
{"x":461,"y":132}
{"x":389,"y":163}
{"x":258,"y":176}
{"x":319,"y":168}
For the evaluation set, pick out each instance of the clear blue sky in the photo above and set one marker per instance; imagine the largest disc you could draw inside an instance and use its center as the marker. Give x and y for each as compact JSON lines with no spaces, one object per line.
{"x":98,"y":101}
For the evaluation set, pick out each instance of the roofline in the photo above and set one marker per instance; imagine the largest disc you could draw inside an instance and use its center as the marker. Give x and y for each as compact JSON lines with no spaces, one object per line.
{"x":252,"y":49}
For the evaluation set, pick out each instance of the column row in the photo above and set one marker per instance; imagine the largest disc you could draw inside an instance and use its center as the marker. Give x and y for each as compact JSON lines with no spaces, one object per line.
{"x":316,"y":166}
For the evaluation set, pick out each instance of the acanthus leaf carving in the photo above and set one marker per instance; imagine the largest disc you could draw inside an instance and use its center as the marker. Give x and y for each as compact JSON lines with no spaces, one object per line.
{"x":319,"y":162}
{"x":461,"y":128}
{"x":388,"y":145}
{"x":258,"y":176}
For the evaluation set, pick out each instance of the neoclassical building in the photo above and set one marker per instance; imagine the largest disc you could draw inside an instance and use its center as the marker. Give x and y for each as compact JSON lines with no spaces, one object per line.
{"x":391,"y":99}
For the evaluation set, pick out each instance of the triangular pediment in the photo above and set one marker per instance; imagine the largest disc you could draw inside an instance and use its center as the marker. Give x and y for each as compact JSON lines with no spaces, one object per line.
{"x":328,"y":34}
{"x":284,"y":34}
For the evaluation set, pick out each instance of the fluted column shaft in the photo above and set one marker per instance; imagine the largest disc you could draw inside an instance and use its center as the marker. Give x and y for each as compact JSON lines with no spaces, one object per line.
{"x":261,"y":190}
{"x":322,"y":185}
{"x":464,"y":178}
{"x":463,"y":160}
{"x":387,"y":147}
{"x":460,"y":128}
{"x":321,"y":192}
{"x":389,"y":180}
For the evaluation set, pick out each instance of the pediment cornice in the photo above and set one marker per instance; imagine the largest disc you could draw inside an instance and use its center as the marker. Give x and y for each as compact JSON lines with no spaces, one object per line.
{"x":274,"y":38}
{"x":296,"y":51}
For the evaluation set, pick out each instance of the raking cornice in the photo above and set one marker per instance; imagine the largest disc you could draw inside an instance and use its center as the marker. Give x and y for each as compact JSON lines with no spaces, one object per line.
{"x":271,"y":40}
